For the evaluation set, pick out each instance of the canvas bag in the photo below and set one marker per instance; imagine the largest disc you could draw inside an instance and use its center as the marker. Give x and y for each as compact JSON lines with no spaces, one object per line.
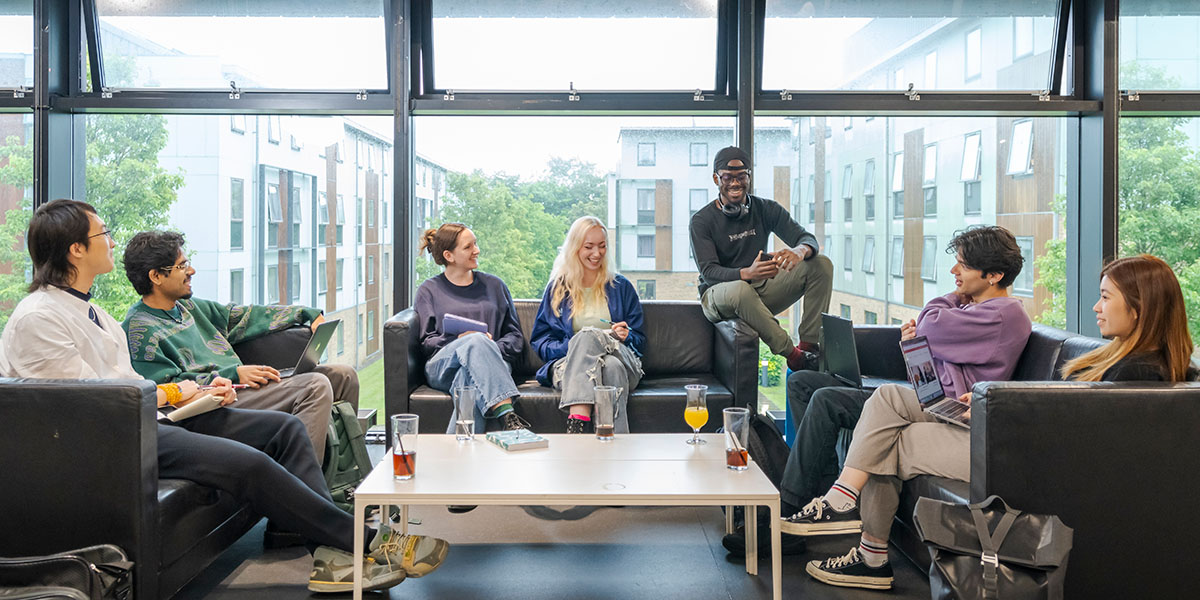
{"x":989,"y":550}
{"x":101,"y":572}
{"x":347,"y":462}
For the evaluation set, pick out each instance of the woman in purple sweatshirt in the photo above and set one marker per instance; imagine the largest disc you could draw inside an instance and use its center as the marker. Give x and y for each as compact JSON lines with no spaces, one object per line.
{"x":975,"y":333}
{"x":479,"y":359}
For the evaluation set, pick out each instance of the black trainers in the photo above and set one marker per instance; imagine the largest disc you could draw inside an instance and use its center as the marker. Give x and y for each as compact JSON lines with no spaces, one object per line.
{"x":735,"y":543}
{"x":459,"y":509}
{"x":851,"y":571}
{"x":818,"y":518}
{"x":576,"y":425}
{"x":511,"y":421}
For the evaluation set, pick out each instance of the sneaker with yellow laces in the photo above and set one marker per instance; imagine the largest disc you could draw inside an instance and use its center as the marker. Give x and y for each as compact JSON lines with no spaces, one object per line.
{"x":417,"y":555}
{"x":333,"y":572}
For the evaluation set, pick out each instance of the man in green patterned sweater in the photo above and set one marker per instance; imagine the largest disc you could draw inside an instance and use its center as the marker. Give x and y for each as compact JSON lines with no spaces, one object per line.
{"x":173,"y":336}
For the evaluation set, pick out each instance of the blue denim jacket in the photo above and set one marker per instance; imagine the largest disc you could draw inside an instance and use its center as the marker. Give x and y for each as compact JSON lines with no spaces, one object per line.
{"x":551,"y":334}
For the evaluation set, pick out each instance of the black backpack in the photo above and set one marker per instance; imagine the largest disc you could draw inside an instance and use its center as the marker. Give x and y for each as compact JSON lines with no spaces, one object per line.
{"x":767,"y":447}
{"x":346,"y":460}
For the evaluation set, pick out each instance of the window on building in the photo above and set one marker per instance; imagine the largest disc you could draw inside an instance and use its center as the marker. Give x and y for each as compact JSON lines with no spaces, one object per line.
{"x":338,"y":273}
{"x":237,"y":286}
{"x":370,"y":214}
{"x":274,"y":214}
{"x":358,"y":220}
{"x":1020,"y":148}
{"x":645,"y":207}
{"x":645,"y":155}
{"x":828,"y":202}
{"x":812,"y":199}
{"x":898,"y":185}
{"x":698,"y":152}
{"x":1023,"y":284}
{"x":870,"y":318}
{"x":848,"y":253}
{"x":295,"y":143}
{"x":929,"y":183}
{"x":358,"y":271}
{"x":972,"y":187}
{"x":868,"y":258}
{"x":897,"y":256}
{"x":845,"y":308}
{"x":929,"y":259}
{"x":847,"y":123}
{"x":272,"y":284}
{"x":931,"y":71}
{"x":322,"y":280}
{"x":370,"y":269}
{"x":869,"y":189}
{"x":341,"y":340}
{"x":645,"y":246}
{"x":1022,"y":37}
{"x":847,"y":193}
{"x":974,"y":54}
{"x":697,"y":198}
{"x":294,"y":283}
{"x":360,"y":339}
{"x":370,"y":324}
{"x":273,"y":130}
{"x":646,"y":288}
{"x":322,"y":217}
{"x":341,"y":217}
{"x":237,"y":123}
{"x":237,"y":214}
{"x":295,"y":214}
{"x":387,"y":266}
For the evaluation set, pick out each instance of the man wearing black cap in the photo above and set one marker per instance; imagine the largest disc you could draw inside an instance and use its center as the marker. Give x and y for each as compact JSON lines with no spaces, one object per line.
{"x":737,"y":277}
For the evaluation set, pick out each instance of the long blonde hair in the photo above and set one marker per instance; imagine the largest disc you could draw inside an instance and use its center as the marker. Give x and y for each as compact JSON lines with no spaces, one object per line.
{"x":567,"y":276}
{"x":1152,"y":292}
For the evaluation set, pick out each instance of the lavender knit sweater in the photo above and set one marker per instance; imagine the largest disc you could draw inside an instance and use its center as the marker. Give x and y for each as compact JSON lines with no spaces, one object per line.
{"x":974,"y":342}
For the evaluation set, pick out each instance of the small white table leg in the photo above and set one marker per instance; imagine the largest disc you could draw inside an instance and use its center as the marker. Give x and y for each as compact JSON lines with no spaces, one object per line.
{"x":776,"y":550}
{"x":403,"y":519}
{"x":729,"y":528}
{"x":359,"y":520}
{"x":751,"y":529}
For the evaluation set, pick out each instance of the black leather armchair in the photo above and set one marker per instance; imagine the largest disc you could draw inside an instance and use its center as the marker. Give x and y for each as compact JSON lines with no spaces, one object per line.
{"x":78,"y":465}
{"x":682,"y":347}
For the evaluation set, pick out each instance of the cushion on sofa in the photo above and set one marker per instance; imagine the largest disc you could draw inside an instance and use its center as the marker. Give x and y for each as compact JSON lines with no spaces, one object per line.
{"x":190,"y":512}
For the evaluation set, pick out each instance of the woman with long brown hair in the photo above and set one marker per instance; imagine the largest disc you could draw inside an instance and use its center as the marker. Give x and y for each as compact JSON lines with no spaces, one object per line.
{"x":1141,"y":310}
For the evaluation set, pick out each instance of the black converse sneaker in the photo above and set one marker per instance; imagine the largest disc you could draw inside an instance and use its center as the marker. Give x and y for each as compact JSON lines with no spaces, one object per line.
{"x":576,"y":425}
{"x":819,"y":518}
{"x":511,"y":421}
{"x":851,"y":571}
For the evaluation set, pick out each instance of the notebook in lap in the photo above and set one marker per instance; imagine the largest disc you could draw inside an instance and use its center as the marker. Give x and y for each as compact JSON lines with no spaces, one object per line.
{"x":837,"y":345}
{"x":313,"y":351}
{"x":923,"y":376}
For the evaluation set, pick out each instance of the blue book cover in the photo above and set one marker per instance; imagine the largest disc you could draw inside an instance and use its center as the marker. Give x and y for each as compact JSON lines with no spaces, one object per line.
{"x":453,"y":324}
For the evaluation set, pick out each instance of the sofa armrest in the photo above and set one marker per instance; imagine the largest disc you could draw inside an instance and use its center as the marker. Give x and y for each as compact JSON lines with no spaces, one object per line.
{"x":79,"y":466}
{"x":878,"y":349}
{"x":1086,"y":452}
{"x":735,"y":360}
{"x":280,"y":349}
{"x":403,"y":363}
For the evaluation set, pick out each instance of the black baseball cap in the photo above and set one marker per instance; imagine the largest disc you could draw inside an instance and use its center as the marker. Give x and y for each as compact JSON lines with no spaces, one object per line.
{"x":721,"y":161}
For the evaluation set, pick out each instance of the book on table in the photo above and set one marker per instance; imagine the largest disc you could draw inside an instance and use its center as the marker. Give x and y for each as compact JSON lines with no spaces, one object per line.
{"x":519,"y":439}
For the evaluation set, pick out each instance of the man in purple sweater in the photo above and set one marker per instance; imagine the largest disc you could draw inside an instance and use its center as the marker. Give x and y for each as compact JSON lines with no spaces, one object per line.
{"x":975,"y":333}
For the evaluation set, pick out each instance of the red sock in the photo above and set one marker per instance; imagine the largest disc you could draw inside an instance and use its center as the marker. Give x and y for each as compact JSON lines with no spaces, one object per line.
{"x":583,"y":418}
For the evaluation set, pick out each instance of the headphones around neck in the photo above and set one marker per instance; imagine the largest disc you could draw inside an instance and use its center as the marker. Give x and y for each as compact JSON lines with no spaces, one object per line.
{"x":737,"y":211}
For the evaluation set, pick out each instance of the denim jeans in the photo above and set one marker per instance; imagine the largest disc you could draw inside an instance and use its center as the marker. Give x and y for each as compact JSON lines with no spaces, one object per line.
{"x":472,"y":360}
{"x":596,"y":358}
{"x":824,"y":406}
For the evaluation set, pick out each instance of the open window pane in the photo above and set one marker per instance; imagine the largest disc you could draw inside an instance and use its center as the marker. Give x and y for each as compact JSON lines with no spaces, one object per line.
{"x":16,"y":44}
{"x":980,"y":45}
{"x":970,"y":157}
{"x":206,"y":45}
{"x":539,"y":45}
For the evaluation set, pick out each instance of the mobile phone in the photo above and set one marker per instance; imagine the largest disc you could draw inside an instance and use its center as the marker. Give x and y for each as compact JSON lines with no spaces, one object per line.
{"x":767,"y":256}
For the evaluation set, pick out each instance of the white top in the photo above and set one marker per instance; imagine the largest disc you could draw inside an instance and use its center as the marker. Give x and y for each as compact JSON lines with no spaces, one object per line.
{"x":49,"y":335}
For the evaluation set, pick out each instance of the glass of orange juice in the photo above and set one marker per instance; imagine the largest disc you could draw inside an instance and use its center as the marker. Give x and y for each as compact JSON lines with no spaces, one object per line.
{"x":696,"y":412}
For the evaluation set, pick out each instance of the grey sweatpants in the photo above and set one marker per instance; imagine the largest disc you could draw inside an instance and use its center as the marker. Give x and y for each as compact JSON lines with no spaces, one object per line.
{"x":757,"y":302}
{"x":895,"y":441}
{"x":596,"y":358}
{"x":309,"y":396}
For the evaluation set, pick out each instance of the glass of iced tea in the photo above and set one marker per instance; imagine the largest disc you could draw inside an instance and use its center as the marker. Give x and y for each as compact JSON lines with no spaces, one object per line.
{"x":695,"y":414}
{"x":404,"y":446}
{"x":604,"y":410}
{"x":737,"y":430}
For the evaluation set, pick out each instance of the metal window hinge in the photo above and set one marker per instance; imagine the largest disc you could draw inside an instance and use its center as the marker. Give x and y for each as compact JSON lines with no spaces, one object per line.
{"x":912,"y":94}
{"x":21,"y":91}
{"x":1043,"y":96}
{"x":106,"y":93}
{"x":697,"y":96}
{"x":361,"y":95}
{"x":1133,"y":96}
{"x":448,"y":96}
{"x":785,"y":95}
{"x":573,"y":96}
{"x":235,"y":93}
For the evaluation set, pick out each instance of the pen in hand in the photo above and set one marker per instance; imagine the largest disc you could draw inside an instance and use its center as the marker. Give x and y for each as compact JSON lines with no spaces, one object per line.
{"x":236,"y":386}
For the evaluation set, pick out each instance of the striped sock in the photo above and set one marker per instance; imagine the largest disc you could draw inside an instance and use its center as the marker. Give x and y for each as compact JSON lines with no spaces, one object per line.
{"x":500,"y":410}
{"x":841,"y":497}
{"x":874,"y":555}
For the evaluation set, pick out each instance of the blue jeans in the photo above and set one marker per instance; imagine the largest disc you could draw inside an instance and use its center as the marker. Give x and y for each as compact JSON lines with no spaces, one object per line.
{"x":596,"y":358}
{"x":472,"y":360}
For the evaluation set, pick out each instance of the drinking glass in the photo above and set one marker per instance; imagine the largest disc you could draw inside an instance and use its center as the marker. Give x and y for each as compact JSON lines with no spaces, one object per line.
{"x":404,"y":446}
{"x":737,"y":430}
{"x":464,"y":408}
{"x":696,"y":412}
{"x":606,"y":401}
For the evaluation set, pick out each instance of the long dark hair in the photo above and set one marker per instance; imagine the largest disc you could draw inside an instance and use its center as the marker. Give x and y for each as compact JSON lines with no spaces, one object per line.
{"x":54,"y":228}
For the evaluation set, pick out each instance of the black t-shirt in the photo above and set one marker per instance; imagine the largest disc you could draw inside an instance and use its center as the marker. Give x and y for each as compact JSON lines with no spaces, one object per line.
{"x":723,"y":246}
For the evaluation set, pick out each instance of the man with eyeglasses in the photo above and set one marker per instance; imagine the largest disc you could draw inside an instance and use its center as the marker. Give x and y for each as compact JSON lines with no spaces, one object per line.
{"x":175,"y":337}
{"x":738,"y":278}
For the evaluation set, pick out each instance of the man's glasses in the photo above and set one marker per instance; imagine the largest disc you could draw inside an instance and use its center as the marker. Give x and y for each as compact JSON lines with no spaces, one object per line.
{"x":183,"y":266}
{"x":106,"y":232}
{"x":740,"y":177}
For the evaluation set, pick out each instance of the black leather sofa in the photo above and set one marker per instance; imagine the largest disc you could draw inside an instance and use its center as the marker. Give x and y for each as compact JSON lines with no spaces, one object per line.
{"x":1087,"y":452}
{"x":78,"y":466}
{"x":682,"y":347}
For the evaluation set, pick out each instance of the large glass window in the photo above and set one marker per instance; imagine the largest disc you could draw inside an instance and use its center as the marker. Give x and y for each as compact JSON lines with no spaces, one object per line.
{"x":1007,"y":45}
{"x":648,"y":45}
{"x":16,"y":206}
{"x":1160,"y":45}
{"x":335,"y":46}
{"x":16,"y":44}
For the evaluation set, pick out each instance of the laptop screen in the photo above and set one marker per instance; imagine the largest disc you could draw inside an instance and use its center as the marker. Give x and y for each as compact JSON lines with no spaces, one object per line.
{"x":921,"y":372}
{"x":837,"y":344}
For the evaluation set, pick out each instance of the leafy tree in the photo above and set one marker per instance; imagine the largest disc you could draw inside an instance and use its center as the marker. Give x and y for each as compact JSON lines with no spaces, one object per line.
{"x":571,"y":189}
{"x":125,"y":183}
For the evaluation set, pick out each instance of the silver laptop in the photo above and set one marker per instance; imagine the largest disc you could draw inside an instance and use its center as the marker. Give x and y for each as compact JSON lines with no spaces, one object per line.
{"x":311,"y":357}
{"x":922,"y":374}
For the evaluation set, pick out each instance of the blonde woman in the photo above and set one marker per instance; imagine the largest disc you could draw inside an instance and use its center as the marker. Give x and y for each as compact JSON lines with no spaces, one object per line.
{"x":588,"y":328}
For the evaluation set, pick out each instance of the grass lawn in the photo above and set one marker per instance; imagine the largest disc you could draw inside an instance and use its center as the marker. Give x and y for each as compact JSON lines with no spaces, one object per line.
{"x":370,"y":388}
{"x":775,"y":395}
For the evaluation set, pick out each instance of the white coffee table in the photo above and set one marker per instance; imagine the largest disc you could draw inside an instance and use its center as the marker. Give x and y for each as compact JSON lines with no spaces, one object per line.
{"x":635,"y":469}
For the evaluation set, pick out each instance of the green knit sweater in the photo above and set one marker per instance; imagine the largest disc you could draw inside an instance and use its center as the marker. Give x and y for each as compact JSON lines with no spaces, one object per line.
{"x":195,"y":339}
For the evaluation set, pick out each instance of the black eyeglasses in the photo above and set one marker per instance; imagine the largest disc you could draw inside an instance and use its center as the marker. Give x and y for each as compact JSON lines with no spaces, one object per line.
{"x":106,"y":232}
{"x":741,"y":177}
{"x":179,"y":267}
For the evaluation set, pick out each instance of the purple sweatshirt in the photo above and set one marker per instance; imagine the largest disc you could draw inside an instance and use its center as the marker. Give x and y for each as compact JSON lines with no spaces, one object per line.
{"x":974,"y":342}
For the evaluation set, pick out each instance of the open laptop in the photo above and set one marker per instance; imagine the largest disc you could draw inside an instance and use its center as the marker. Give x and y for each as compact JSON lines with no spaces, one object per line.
{"x":313,"y":351}
{"x":837,"y":346}
{"x":922,"y":374}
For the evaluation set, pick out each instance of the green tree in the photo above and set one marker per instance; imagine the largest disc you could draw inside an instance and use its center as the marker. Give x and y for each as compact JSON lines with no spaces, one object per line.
{"x":571,"y":188}
{"x":125,"y":183}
